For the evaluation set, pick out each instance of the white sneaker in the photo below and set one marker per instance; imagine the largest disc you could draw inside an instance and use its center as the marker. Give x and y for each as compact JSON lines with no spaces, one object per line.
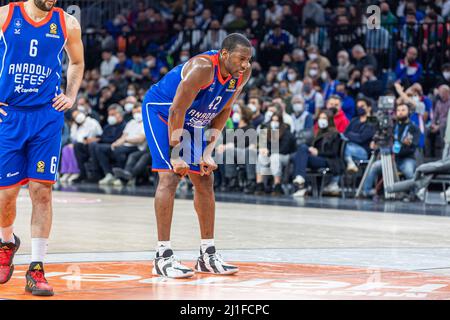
{"x":332,"y":188}
{"x":132,"y":183}
{"x":65,"y":177}
{"x":108,"y":179}
{"x":300,"y":193}
{"x":117,"y":183}
{"x":352,"y":168}
{"x":447,"y":194}
{"x":212,"y":262}
{"x":73,"y":177}
{"x":299,"y":180}
{"x":167,"y":265}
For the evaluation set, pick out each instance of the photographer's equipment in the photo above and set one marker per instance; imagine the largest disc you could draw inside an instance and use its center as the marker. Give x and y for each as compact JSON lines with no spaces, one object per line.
{"x":386,"y":146}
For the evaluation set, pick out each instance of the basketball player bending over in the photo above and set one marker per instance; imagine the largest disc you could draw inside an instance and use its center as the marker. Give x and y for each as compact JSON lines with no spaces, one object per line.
{"x":191,"y":96}
{"x":33,"y":36}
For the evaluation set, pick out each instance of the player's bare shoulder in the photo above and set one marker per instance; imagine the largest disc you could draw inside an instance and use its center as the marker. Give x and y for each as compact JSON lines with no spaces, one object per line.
{"x":4,"y":11}
{"x":72,"y":23}
{"x":199,"y":71}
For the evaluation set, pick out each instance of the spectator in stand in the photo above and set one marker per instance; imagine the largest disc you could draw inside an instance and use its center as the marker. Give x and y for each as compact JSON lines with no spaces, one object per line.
{"x":334,"y":105}
{"x":303,"y":121}
{"x":123,"y":63}
{"x":444,"y":77}
{"x":271,"y":161}
{"x":276,"y":43}
{"x":255,"y":28}
{"x":324,"y":152}
{"x":314,"y":56}
{"x":313,"y":10}
{"x":204,"y":21}
{"x":298,"y":61}
{"x":359,"y":134}
{"x":408,"y":69}
{"x":99,"y":146}
{"x":295,"y":85}
{"x":344,"y":66}
{"x":254,"y":105}
{"x":441,"y":109}
{"x":348,"y":103}
{"x":274,"y":13}
{"x":109,"y":63}
{"x":329,"y":82}
{"x":188,"y":38}
{"x":371,"y":87}
{"x":289,"y":22}
{"x":313,"y":99}
{"x":315,"y":35}
{"x":410,"y":33}
{"x":388,"y":19}
{"x":315,"y":75}
{"x":343,"y":35}
{"x":239,"y":23}
{"x":363,"y":59}
{"x":214,"y":37}
{"x":83,"y":133}
{"x":406,"y":139}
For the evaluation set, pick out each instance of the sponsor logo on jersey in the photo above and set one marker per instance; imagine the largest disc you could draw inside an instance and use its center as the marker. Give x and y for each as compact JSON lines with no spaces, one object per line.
{"x":17,"y":26}
{"x":40,"y":167}
{"x":53,"y":31}
{"x":232,"y":85}
{"x":10,"y":175}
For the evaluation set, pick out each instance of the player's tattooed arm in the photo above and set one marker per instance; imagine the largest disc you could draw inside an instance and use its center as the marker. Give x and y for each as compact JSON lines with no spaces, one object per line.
{"x":3,"y":16}
{"x":196,"y":74}
{"x":75,"y":71}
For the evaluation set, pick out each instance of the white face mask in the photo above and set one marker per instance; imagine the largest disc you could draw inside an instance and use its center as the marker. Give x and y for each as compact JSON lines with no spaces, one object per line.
{"x":291,"y":76}
{"x":274,"y":125}
{"x":322,"y":123}
{"x":82,"y":109}
{"x":313,"y":56}
{"x":112,"y":120}
{"x":131,"y":93}
{"x":236,"y":117}
{"x":129,"y":107}
{"x":184,"y":59}
{"x":268,"y":115}
{"x":252,"y":107}
{"x":80,"y":118}
{"x":313,"y":72}
{"x":137,"y":116}
{"x":446,"y":75}
{"x":298,"y":107}
{"x":235,"y":107}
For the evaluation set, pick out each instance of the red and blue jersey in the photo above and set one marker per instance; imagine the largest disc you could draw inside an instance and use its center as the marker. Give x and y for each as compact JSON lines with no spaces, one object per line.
{"x":31,"y":57}
{"x":209,"y":101}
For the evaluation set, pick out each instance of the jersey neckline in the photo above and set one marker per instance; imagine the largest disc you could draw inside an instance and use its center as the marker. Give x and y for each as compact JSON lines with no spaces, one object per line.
{"x":31,"y":21}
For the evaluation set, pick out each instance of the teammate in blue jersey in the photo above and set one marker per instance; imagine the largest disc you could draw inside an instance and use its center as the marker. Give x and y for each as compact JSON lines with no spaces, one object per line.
{"x":192,"y":96}
{"x":33,"y":36}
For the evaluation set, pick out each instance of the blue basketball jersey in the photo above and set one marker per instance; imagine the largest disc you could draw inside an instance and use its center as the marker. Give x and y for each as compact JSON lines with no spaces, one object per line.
{"x":208,"y":103}
{"x":31,"y":54}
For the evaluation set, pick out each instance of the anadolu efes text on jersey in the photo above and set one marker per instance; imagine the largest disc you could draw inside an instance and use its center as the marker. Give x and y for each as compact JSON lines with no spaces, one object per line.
{"x":31,"y":57}
{"x":209,"y":101}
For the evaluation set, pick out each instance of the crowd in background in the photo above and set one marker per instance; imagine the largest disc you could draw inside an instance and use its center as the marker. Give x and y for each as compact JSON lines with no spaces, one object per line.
{"x":317,"y":74}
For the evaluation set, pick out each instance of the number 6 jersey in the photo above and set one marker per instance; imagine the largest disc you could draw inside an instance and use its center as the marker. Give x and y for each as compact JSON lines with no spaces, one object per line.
{"x":31,"y":57}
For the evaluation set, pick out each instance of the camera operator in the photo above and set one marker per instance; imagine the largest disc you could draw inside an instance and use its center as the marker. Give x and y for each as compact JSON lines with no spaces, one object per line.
{"x":406,"y":139}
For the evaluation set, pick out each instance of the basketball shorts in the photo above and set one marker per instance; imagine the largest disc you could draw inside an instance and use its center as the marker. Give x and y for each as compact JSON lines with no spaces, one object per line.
{"x":157,"y":133}
{"x":30,"y":145}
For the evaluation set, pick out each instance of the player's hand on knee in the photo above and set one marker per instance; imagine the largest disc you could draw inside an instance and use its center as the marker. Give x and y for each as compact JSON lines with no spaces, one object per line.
{"x":2,"y":112}
{"x":180,"y":166}
{"x":63,"y":102}
{"x":207,"y":166}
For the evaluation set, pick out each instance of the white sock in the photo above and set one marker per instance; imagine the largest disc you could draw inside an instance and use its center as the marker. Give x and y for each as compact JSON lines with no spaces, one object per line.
{"x":206,"y":243}
{"x":163,"y":246}
{"x":38,"y":249}
{"x":6,"y":234}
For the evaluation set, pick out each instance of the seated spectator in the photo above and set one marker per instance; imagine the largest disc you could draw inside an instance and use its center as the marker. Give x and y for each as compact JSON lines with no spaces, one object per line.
{"x":295,"y":85}
{"x":340,"y":121}
{"x":441,"y":109}
{"x":359,"y":134}
{"x":271,"y":161}
{"x":83,"y":132}
{"x":254,"y":104}
{"x":276,"y":43}
{"x":123,"y":63}
{"x":136,"y":166}
{"x":273,"y":13}
{"x":131,"y":140}
{"x":371,"y":87}
{"x":363,"y":59}
{"x":329,"y":82}
{"x":239,"y":23}
{"x":239,"y":152}
{"x":354,"y":82}
{"x":129,"y":104}
{"x":313,"y":99}
{"x":444,"y":77}
{"x":406,"y":140}
{"x":315,"y":75}
{"x":108,"y":65}
{"x":214,"y":37}
{"x":313,"y":10}
{"x":344,"y":66}
{"x":408,"y":69}
{"x":348,"y":103}
{"x":187,"y":39}
{"x":324,"y":152}
{"x":314,"y":56}
{"x":303,"y":121}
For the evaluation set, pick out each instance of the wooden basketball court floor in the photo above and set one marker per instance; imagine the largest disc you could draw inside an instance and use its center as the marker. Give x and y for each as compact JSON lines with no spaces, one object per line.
{"x":102,"y":247}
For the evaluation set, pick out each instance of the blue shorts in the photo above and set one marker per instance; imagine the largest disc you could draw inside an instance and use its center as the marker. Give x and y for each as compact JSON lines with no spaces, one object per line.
{"x":157,"y":133}
{"x":30,"y":145}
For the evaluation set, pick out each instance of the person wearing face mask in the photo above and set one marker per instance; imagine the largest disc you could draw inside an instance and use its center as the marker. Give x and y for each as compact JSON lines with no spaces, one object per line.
{"x":100,"y":151}
{"x":406,"y":140}
{"x":271,"y":161}
{"x":128,"y":105}
{"x":83,"y":132}
{"x":359,"y":134}
{"x":329,"y":82}
{"x":334,"y":105}
{"x":348,"y":103}
{"x":444,"y":77}
{"x":295,"y":85}
{"x":323,"y":152}
{"x":254,"y":105}
{"x":314,"y":57}
{"x":132,"y":140}
{"x":344,"y":66}
{"x":313,"y":99}
{"x":303,"y":121}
